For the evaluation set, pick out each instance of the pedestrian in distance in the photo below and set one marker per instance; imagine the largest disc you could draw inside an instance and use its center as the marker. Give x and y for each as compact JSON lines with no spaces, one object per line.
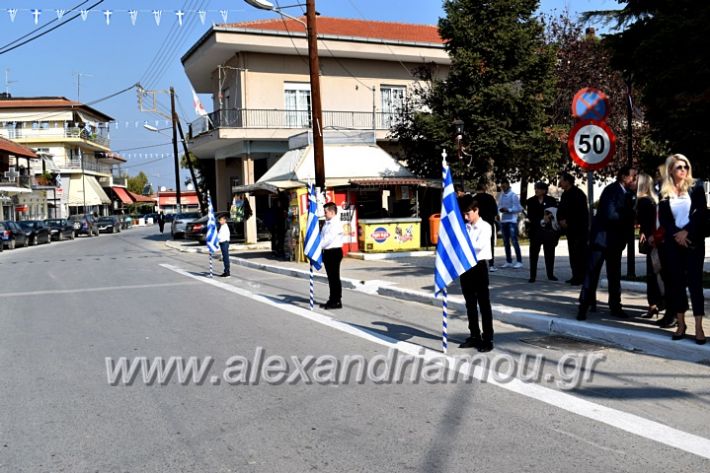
{"x":223,"y":237}
{"x":612,"y":228}
{"x":647,"y":216}
{"x":474,"y":282}
{"x":573,"y":217}
{"x":488,"y":209}
{"x":682,"y":213}
{"x":543,"y":230}
{"x":509,"y":207}
{"x":331,"y":238}
{"x":161,"y":222}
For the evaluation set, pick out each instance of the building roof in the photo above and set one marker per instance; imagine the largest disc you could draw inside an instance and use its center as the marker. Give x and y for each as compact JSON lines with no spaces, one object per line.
{"x":140,"y":198}
{"x":48,"y":103}
{"x":351,"y":28}
{"x":17,"y":149}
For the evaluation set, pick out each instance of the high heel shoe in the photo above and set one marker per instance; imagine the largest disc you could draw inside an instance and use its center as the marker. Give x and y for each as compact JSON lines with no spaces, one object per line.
{"x":651,"y":313}
{"x":679,"y":335}
{"x":700,"y":341}
{"x":666,"y":323}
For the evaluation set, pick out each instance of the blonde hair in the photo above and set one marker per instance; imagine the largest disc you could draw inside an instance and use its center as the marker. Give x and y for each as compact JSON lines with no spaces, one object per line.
{"x":645,"y":187}
{"x":668,"y":188}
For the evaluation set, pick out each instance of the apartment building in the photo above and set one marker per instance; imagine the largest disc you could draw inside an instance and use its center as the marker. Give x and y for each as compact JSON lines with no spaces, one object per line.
{"x":258,"y":76}
{"x":73,"y":144}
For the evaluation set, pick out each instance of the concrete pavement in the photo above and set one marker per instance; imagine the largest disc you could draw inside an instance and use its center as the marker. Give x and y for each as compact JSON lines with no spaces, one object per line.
{"x":545,"y":306}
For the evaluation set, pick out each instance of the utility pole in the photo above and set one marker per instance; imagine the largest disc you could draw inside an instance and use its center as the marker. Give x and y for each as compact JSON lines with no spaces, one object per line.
{"x":8,"y":81}
{"x":78,"y":84}
{"x":318,"y":152}
{"x":201,"y":197}
{"x":174,"y":119}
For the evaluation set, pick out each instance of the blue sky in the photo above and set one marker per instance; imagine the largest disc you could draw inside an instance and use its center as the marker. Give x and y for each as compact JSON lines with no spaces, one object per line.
{"x":112,"y":57}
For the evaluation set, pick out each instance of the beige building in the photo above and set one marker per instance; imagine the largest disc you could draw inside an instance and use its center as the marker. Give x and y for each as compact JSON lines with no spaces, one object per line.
{"x":73,"y":142}
{"x":258,"y":75}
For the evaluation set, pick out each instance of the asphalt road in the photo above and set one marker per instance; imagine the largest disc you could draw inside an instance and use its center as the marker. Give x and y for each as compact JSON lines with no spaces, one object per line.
{"x":65,"y":308}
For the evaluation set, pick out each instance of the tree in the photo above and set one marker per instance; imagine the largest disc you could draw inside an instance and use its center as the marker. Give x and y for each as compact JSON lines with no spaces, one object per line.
{"x":136,"y":184}
{"x":500,"y":84}
{"x":665,"y":47}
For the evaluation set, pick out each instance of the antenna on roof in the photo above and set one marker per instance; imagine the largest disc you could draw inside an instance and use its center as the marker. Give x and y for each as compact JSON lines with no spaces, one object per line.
{"x":8,"y":82}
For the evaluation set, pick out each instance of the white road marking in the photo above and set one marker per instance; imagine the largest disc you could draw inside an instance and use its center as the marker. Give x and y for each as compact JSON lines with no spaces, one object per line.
{"x":632,"y":423}
{"x":93,"y":289}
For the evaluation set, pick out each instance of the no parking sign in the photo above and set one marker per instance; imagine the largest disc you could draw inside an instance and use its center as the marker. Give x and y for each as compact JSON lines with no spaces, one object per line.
{"x":590,"y":104}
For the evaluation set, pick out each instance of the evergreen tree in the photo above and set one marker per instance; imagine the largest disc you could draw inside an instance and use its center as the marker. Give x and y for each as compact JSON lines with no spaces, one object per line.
{"x":500,"y":85}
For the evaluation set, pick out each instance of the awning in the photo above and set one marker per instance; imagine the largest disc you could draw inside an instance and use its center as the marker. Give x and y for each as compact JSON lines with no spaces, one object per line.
{"x":396,"y":181}
{"x":86,"y":190}
{"x":14,"y":189}
{"x":185,"y":199}
{"x":122,"y":194}
{"x":141,"y":198}
{"x":50,"y":165}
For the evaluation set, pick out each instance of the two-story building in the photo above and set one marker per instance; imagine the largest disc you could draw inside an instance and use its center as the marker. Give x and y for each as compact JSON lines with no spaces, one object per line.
{"x":258,"y":75}
{"x":72,"y":140}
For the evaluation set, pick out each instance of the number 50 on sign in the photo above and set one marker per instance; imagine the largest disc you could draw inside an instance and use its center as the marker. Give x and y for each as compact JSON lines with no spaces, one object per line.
{"x":591,"y":144}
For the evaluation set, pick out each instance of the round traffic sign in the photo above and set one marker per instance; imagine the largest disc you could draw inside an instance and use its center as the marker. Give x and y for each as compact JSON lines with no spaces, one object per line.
{"x":591,"y":144}
{"x":590,"y":104}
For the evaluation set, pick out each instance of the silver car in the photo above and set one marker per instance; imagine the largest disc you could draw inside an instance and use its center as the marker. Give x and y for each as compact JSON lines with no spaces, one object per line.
{"x":179,"y":225}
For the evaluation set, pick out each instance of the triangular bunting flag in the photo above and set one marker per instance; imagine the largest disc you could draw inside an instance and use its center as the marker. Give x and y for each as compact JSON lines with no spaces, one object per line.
{"x":224,"y":14}
{"x":134,"y":16}
{"x":157,"y":14}
{"x":203,"y":15}
{"x":179,"y":15}
{"x":84,"y":14}
{"x":107,"y":14}
{"x":60,"y":13}
{"x":13,"y":14}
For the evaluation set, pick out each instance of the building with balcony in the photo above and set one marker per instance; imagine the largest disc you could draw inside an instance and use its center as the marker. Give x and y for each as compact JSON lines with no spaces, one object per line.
{"x":73,"y":143}
{"x":258,"y":75}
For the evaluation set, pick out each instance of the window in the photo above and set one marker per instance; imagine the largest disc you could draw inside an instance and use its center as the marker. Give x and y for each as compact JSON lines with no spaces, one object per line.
{"x":392,"y":103}
{"x":297,"y":98}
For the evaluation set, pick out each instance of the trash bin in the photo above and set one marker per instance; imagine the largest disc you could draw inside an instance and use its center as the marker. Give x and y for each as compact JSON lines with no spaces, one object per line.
{"x":434,"y":228}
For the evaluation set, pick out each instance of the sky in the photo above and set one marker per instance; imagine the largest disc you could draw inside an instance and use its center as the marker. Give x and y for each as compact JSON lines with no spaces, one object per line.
{"x":89,"y":59}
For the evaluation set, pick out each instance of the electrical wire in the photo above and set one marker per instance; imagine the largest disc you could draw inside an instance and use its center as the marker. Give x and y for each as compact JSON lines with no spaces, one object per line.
{"x":49,"y":30}
{"x":141,"y":147}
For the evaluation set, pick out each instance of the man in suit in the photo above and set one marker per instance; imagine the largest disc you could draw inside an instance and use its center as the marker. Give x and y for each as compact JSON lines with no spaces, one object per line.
{"x":573,"y":217}
{"x":612,"y":227}
{"x":488,"y":208}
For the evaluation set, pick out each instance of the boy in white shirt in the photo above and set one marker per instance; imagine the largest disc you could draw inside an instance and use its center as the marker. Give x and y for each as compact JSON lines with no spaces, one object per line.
{"x":223,"y":237}
{"x":474,"y":282}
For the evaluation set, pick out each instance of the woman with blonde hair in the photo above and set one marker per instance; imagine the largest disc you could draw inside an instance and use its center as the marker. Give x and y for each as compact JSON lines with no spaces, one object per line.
{"x":646,"y":216}
{"x":682,"y":214}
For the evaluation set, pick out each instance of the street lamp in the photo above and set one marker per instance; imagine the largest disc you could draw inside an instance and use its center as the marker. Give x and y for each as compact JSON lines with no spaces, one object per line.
{"x":317,"y":111}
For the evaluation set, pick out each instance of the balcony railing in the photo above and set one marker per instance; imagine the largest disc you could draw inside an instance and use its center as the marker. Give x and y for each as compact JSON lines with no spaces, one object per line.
{"x":100,"y":138}
{"x":88,"y":166}
{"x":290,"y":119}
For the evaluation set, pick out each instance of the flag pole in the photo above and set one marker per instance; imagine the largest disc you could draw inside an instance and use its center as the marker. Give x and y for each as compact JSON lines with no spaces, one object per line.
{"x":211,"y":264}
{"x":445,"y":326}
{"x":310,"y":265}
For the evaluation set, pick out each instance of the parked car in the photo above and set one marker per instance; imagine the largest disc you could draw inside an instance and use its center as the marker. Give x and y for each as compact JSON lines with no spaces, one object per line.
{"x":14,"y":235}
{"x":85,"y":225}
{"x":197,"y":230}
{"x":109,"y":224}
{"x":179,"y":224}
{"x":37,"y":230}
{"x":60,"y":228}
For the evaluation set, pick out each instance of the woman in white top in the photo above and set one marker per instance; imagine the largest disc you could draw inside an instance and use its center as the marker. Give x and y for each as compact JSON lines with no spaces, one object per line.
{"x":682,"y":214}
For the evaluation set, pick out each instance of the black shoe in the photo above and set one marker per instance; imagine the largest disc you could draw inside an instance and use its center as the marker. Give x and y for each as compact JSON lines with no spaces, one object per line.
{"x":575,"y":282}
{"x":333,"y":305}
{"x":531,"y":280}
{"x":582,"y":312}
{"x":569,"y":281}
{"x":700,"y":341}
{"x":679,"y":335}
{"x":486,"y":346}
{"x":552,"y":278}
{"x":224,"y":275}
{"x":472,"y":342}
{"x":619,"y":313}
{"x":650,"y":314}
{"x":664,"y":322}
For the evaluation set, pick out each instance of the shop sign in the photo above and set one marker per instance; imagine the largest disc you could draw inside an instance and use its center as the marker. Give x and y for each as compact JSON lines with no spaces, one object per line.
{"x":380,"y":234}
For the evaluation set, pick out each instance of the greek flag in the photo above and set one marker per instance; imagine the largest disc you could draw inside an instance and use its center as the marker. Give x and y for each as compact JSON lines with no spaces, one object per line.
{"x":312,"y":247}
{"x":212,"y":241}
{"x":454,"y":252}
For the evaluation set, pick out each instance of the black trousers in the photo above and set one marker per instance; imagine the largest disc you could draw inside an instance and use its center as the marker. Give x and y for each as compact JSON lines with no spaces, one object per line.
{"x":474,"y":285}
{"x":549,"y":249}
{"x":331,"y":261}
{"x":598,"y":257}
{"x":653,"y":290}
{"x":578,"y":250}
{"x":684,"y":269}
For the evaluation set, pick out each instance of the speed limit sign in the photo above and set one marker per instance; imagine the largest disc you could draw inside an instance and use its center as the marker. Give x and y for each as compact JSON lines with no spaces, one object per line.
{"x":591,"y":144}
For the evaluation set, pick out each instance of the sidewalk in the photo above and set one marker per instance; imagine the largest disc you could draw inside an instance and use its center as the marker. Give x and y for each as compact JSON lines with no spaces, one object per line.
{"x":544,"y":306}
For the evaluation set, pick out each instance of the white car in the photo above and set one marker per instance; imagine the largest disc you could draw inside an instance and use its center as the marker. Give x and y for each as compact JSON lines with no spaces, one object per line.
{"x":179,"y":225}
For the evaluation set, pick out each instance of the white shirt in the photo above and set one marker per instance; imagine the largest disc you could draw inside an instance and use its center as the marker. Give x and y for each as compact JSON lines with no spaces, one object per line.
{"x":680,"y":207}
{"x":509,"y":200}
{"x":223,"y":233}
{"x":480,"y":235}
{"x":331,"y":235}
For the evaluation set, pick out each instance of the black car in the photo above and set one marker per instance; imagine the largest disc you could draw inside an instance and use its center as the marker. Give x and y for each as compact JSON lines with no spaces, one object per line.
{"x":110,"y":224}
{"x":60,"y":228}
{"x":197,"y":230}
{"x":37,"y":231}
{"x":13,"y":235}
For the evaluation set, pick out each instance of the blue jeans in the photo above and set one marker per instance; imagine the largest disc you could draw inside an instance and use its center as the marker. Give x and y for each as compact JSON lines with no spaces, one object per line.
{"x":224,"y":246}
{"x":510,"y":232}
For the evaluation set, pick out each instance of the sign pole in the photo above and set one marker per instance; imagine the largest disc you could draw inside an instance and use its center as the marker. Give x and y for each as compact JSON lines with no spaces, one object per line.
{"x":590,"y":196}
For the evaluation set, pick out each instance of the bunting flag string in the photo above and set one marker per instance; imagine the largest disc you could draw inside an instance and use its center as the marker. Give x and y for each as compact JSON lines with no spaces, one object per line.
{"x":180,"y":15}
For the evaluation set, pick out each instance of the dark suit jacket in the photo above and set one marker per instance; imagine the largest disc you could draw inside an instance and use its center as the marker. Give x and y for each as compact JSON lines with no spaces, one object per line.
{"x":613,"y":223}
{"x":487,"y":207}
{"x":574,"y":209}
{"x":698,"y":212}
{"x":646,"y":216}
{"x":536,"y":211}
